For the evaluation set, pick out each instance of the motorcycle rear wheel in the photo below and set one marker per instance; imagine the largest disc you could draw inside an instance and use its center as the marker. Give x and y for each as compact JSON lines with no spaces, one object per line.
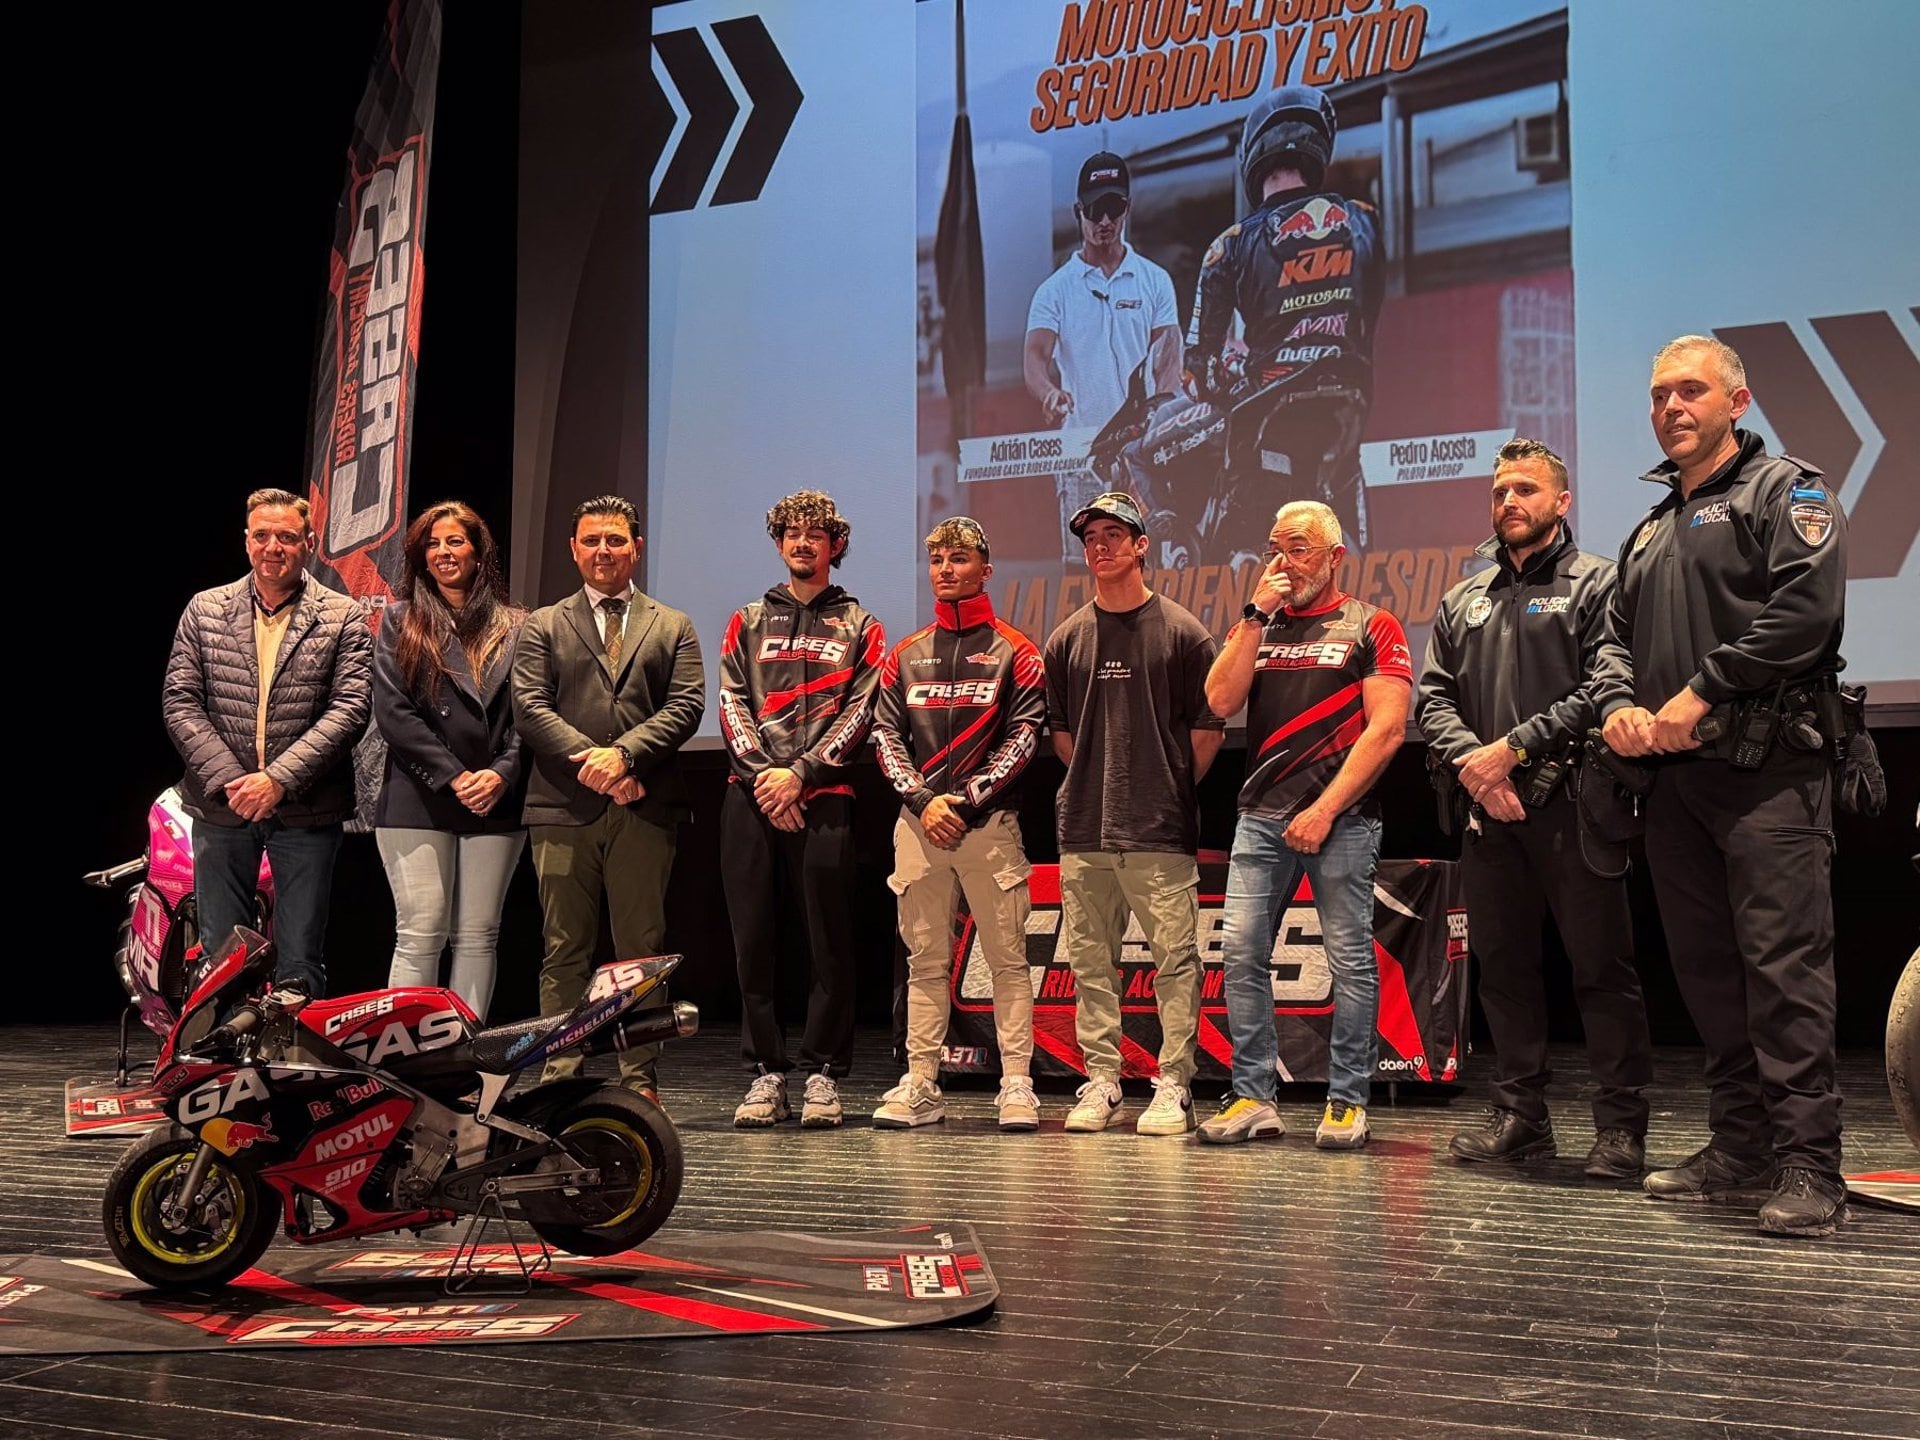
{"x":637,"y":1151}
{"x":230,"y":1231}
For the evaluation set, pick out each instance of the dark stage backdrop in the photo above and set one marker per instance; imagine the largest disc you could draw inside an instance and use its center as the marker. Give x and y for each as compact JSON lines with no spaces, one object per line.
{"x":186,"y":414}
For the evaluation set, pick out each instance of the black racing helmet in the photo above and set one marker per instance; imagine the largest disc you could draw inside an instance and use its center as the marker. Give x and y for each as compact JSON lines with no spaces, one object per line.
{"x":1294,"y":126}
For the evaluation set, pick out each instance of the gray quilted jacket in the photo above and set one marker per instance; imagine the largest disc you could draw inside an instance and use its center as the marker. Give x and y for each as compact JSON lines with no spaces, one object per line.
{"x":321,"y":698}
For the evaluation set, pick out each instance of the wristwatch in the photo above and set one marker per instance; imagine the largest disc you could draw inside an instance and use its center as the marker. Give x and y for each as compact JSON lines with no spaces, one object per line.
{"x":1258,"y":616}
{"x":626,"y":755}
{"x":1519,"y":750}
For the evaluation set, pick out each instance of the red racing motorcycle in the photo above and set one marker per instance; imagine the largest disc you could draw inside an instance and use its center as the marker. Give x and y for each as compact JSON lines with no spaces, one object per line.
{"x":333,"y":1119}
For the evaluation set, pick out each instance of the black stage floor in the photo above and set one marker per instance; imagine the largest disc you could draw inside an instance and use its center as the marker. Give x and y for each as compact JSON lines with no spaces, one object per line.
{"x":1149,"y":1288}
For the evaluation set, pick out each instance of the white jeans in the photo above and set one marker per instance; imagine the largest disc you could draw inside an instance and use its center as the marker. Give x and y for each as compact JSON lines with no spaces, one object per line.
{"x":448,"y":886}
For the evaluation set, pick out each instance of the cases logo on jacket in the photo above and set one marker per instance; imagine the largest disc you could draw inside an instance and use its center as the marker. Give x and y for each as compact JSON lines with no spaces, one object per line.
{"x":945,"y":694}
{"x":814,"y":649}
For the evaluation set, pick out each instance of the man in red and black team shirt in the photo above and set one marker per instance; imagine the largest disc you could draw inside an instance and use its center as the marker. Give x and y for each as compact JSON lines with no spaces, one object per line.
{"x":798,"y":671}
{"x":957,"y":719}
{"x":1326,"y":680}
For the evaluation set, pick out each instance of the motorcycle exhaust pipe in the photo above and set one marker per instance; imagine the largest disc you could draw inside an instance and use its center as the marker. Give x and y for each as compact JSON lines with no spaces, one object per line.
{"x":650,"y":1027}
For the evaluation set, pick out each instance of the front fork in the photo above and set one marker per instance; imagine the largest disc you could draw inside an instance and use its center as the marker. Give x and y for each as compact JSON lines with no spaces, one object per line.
{"x":179,"y":1209}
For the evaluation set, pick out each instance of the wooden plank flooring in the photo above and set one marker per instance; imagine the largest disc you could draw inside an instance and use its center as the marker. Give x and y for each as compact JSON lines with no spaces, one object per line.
{"x":1150,"y":1288}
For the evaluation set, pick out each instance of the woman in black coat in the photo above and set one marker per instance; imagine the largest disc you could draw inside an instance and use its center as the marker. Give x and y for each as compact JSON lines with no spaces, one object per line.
{"x":448,"y":824}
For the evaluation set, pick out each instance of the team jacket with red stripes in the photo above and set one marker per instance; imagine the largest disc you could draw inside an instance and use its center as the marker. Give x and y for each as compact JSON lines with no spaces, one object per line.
{"x":1305,"y":709}
{"x":967,"y":694}
{"x":797,"y":685}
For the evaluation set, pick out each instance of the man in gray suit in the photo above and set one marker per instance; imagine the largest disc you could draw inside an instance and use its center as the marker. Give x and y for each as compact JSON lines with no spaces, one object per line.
{"x":607,"y":686}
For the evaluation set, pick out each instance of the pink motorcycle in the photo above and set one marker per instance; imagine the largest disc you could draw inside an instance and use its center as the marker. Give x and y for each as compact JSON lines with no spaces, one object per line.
{"x":159,"y":953}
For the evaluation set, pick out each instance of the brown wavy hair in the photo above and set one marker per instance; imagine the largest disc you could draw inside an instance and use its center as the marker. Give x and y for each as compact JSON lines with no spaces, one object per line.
{"x":484,"y":625}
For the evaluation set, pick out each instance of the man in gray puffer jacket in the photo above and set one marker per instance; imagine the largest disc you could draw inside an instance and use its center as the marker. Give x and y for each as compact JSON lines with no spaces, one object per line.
{"x":268,"y":687}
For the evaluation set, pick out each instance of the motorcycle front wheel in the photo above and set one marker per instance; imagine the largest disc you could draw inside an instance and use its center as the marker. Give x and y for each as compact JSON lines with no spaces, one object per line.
{"x":634,"y":1146}
{"x":171,"y":1242}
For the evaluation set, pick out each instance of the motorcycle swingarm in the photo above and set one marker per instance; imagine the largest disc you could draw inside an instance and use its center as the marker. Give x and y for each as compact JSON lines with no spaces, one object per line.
{"x":467,"y":1189}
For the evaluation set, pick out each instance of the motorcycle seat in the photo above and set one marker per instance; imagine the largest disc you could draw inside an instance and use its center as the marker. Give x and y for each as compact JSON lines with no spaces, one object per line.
{"x":495,"y":1051}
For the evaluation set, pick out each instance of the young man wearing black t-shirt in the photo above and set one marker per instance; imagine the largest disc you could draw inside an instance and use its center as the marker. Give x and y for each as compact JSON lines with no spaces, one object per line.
{"x":1126,"y":701}
{"x":1326,"y":680}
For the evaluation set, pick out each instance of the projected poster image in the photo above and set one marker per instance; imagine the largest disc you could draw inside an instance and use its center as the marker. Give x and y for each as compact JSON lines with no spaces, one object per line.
{"x":1224,"y":272}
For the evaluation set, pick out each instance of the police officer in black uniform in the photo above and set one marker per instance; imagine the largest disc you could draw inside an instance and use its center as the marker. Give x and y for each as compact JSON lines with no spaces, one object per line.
{"x":1505,"y":699}
{"x":1724,"y":640}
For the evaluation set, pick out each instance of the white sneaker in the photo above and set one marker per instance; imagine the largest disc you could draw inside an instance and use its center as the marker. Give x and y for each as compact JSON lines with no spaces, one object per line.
{"x":1342,"y":1127}
{"x":1095,"y":1105}
{"x":766,"y":1103}
{"x":914,"y":1101}
{"x":1018,"y":1106}
{"x":821,"y":1108}
{"x":1171,"y":1112}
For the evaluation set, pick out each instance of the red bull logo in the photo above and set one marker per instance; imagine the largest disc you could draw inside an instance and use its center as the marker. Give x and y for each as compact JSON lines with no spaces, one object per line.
{"x":1315,"y":220}
{"x":230,"y":1137}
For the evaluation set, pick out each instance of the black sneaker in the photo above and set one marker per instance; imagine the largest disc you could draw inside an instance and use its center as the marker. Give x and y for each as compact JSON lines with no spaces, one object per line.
{"x":1507,"y":1136}
{"x":1712,"y":1174}
{"x":1805,"y":1203}
{"x":1616,"y":1155}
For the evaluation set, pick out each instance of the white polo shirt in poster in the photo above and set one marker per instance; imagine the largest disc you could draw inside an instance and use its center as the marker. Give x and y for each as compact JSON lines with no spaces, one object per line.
{"x":1104,"y":323}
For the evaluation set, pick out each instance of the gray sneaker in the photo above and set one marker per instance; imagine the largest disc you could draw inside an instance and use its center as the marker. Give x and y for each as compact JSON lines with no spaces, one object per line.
{"x":766,"y":1103}
{"x":915,"y":1101}
{"x":1171,"y":1112}
{"x":1018,"y":1106}
{"x":1097,"y":1102}
{"x":821,"y":1110}
{"x":1242,"y":1119}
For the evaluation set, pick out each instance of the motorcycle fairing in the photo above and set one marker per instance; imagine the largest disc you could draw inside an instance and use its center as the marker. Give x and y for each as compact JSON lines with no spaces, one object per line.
{"x":244,"y":958}
{"x":615,"y":989}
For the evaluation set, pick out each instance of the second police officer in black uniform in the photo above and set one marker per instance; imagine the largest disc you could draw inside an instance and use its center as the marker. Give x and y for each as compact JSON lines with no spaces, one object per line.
{"x":1724,"y":635}
{"x":1506,"y":697}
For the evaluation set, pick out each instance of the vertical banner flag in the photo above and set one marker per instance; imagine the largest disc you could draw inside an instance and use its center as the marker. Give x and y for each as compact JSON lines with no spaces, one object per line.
{"x":959,"y":261}
{"x":362,"y":414}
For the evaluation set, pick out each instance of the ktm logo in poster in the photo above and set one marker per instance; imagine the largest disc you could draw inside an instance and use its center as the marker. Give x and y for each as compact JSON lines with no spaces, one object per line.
{"x":1879,"y":367}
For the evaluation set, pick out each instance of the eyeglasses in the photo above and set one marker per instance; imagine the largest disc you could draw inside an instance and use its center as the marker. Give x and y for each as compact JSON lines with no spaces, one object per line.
{"x":1107,"y":207}
{"x":1298,"y":554}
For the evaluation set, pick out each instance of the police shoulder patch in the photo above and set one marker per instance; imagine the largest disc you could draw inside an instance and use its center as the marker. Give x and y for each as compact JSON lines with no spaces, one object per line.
{"x":1813,"y":520}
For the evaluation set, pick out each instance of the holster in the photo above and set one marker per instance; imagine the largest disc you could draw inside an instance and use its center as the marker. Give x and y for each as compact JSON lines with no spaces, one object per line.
{"x":1612,"y":790}
{"x":1449,"y":796}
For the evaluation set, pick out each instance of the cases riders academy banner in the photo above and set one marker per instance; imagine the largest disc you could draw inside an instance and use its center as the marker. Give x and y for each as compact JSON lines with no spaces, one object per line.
{"x":1419,"y":945}
{"x":362,"y":412}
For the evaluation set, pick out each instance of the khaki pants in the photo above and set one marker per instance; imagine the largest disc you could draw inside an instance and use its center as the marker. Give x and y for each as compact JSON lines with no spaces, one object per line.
{"x":623,"y":860}
{"x":1097,"y":889}
{"x":991,"y":868}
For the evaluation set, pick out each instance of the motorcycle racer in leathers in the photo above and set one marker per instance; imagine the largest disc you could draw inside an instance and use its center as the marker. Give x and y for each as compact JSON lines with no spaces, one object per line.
{"x":1304,"y":273}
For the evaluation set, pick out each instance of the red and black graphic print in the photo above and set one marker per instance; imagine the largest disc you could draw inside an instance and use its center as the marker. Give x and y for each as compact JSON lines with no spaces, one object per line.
{"x":1306,"y":708}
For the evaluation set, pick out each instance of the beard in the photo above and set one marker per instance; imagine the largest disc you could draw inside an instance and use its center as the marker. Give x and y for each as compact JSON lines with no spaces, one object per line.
{"x":1529,"y":533}
{"x":803,"y":569}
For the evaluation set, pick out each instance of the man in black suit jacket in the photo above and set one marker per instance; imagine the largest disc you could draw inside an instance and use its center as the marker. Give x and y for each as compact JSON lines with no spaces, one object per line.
{"x":607,"y":686}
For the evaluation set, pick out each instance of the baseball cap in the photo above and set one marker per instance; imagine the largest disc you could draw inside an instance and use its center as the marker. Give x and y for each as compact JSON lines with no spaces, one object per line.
{"x":1103,"y":174}
{"x":1113,"y":505}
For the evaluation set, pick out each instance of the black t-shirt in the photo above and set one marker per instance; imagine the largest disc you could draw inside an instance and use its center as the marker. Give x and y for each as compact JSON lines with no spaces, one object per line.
{"x":1129,"y":686}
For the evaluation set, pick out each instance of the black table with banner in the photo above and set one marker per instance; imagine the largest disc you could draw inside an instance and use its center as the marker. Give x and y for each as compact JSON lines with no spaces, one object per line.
{"x":1420,"y":946}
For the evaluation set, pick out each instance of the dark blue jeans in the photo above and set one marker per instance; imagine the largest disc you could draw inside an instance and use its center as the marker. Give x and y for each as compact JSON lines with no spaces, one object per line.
{"x":226,"y":872}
